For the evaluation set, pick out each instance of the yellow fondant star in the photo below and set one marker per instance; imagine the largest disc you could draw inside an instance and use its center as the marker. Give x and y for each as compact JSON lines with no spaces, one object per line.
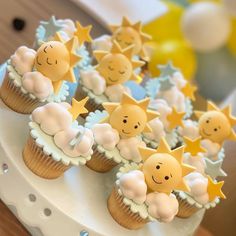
{"x":189,"y":91}
{"x":193,"y":146}
{"x":83,"y":33}
{"x":214,"y":189}
{"x":175,"y":118}
{"x":78,"y":108}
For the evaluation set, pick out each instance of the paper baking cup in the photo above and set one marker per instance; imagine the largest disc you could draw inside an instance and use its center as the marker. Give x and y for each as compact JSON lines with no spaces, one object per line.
{"x":100,"y":163}
{"x":91,"y":105}
{"x":40,"y":163}
{"x":122,"y":214}
{"x":14,"y":98}
{"x":185,"y":208}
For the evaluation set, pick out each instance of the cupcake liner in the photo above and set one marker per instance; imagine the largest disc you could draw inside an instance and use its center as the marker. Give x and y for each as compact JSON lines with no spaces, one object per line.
{"x":91,"y":105}
{"x":100,"y":163}
{"x":13,"y":97}
{"x":122,"y":213}
{"x":41,"y":164}
{"x":185,"y":208}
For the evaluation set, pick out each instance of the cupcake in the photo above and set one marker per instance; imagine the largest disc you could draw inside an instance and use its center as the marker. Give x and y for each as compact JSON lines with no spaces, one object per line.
{"x":143,"y":193}
{"x":117,"y":132}
{"x":125,"y":34}
{"x":171,"y":96}
{"x":205,"y":191}
{"x":56,"y":141}
{"x":34,"y":78}
{"x":67,"y":29}
{"x":104,"y":82}
{"x":210,"y":131}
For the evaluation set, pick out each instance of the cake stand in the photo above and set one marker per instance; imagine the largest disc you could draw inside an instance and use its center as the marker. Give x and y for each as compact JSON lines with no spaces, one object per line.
{"x":74,"y":204}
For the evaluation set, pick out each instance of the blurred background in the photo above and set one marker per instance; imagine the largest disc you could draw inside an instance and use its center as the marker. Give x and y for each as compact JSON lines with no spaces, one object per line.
{"x":198,"y":36}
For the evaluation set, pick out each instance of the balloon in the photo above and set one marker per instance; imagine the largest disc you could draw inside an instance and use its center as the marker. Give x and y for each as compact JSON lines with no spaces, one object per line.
{"x":230,"y":6}
{"x":232,"y":38}
{"x":177,"y":51}
{"x":166,"y":26}
{"x":216,"y":74}
{"x":206,"y":25}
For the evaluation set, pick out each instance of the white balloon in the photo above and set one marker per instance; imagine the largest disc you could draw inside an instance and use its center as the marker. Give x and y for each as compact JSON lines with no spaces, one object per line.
{"x":206,"y":26}
{"x":230,"y":5}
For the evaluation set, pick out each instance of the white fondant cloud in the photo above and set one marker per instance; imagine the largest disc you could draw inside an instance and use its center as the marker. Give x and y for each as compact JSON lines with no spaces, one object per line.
{"x":198,"y":186}
{"x":75,"y":141}
{"x":115,"y":92}
{"x":179,"y":80}
{"x":158,"y":130}
{"x":68,"y":26}
{"x":211,"y":147}
{"x":163,"y":109}
{"x":93,"y":81}
{"x":105,"y":135}
{"x":52,"y":118}
{"x":129,"y":148}
{"x":37,"y":84}
{"x":133,"y":186}
{"x":162,"y":206}
{"x":23,"y":59}
{"x":189,"y":130}
{"x":196,"y":161}
{"x":174,"y":98}
{"x":102,"y":43}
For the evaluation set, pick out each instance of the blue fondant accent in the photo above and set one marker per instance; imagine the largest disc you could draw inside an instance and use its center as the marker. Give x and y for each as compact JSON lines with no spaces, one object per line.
{"x":84,"y":233}
{"x":152,"y":87}
{"x":95,"y":118}
{"x":3,"y":68}
{"x":138,"y":92}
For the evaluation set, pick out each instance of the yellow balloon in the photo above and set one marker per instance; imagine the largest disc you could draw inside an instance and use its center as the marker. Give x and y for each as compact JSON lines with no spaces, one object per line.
{"x":232,"y":38}
{"x":177,"y":51}
{"x":166,"y":26}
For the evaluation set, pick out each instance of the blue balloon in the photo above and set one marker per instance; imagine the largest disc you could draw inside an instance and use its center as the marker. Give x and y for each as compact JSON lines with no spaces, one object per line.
{"x":216,"y":74}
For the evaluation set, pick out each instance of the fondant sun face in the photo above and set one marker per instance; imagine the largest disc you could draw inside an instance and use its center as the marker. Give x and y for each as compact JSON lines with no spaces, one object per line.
{"x":128,"y":120}
{"x":215,"y":126}
{"x":53,"y":60}
{"x":162,"y":172}
{"x":115,"y":68}
{"x":127,"y":36}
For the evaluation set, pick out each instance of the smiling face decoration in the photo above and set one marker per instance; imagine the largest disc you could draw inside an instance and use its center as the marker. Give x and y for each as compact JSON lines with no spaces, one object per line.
{"x":163,"y":169}
{"x":215,"y":124}
{"x":130,"y":34}
{"x":130,"y":117}
{"x":55,"y":60}
{"x":117,"y":65}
